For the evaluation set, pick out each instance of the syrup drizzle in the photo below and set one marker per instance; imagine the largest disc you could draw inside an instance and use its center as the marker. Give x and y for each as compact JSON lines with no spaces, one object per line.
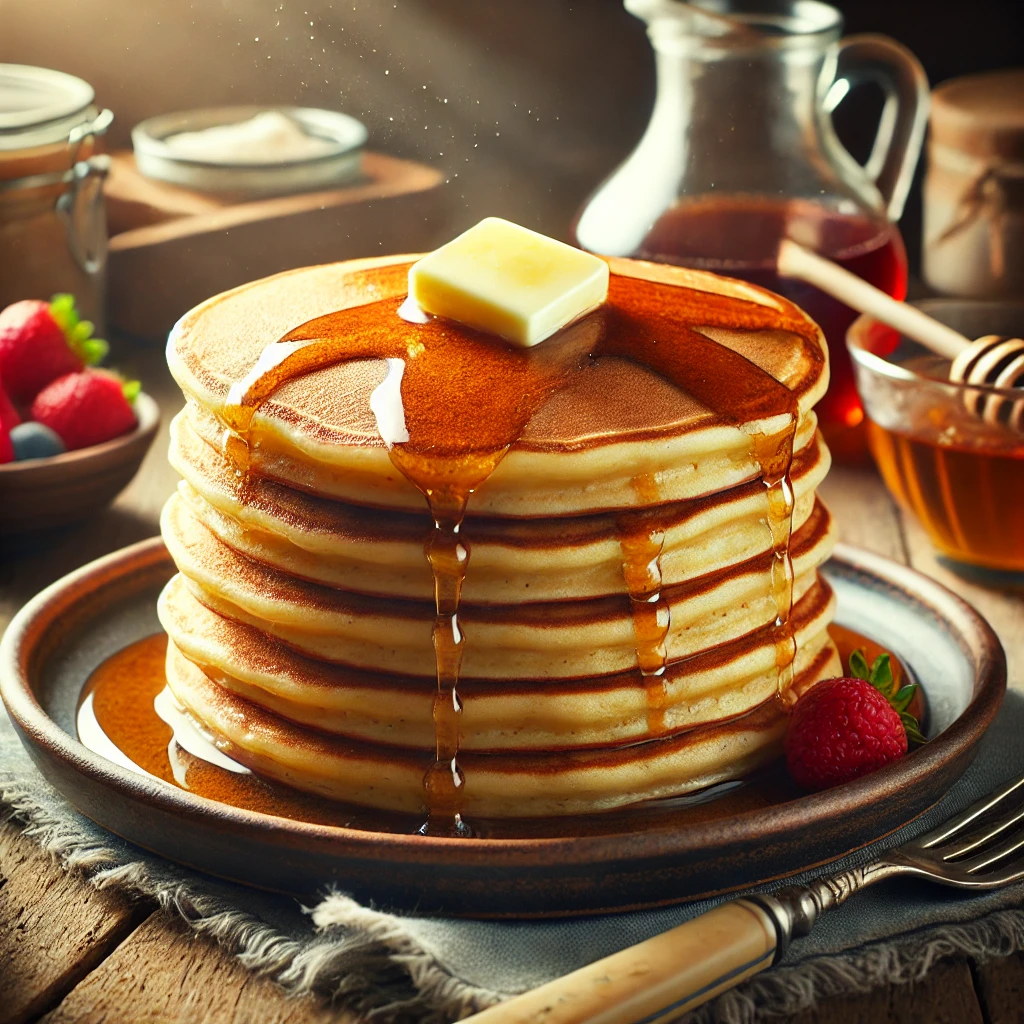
{"x":448,"y":556}
{"x":775,"y":456}
{"x":643,"y":542}
{"x":739,"y":391}
{"x":467,"y":398}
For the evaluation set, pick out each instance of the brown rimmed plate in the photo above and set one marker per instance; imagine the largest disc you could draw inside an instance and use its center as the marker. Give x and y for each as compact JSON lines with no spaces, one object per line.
{"x":648,"y":856}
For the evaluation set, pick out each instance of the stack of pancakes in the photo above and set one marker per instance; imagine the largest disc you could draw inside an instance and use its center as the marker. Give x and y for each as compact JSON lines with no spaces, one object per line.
{"x":301,"y":620}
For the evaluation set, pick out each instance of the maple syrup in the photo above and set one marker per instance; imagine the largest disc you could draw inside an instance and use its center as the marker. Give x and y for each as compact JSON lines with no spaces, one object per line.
{"x":642,"y":543}
{"x":467,"y":398}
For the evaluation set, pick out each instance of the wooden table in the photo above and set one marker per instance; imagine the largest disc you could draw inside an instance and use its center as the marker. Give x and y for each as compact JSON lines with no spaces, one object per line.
{"x":70,"y":953}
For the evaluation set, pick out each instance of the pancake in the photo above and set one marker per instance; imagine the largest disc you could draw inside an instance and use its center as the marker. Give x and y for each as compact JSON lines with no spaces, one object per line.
{"x":423,"y":570}
{"x":611,"y":420}
{"x":550,"y":640}
{"x":496,"y":785}
{"x":379,"y":552}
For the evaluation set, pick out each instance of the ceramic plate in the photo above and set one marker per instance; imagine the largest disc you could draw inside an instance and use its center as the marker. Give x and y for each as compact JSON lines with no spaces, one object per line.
{"x":659,"y":853}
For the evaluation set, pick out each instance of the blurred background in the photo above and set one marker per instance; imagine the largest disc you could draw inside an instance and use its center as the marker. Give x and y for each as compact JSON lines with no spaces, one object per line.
{"x":524,"y":105}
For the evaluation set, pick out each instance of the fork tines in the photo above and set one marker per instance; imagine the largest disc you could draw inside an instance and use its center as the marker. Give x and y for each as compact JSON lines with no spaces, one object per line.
{"x":993,"y":814}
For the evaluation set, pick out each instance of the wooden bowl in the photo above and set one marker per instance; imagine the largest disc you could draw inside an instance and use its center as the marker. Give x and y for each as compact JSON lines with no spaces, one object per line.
{"x":39,"y":494}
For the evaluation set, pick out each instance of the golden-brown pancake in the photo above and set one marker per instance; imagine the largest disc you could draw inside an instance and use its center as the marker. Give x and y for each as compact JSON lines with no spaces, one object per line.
{"x":375,"y":551}
{"x":519,"y":714}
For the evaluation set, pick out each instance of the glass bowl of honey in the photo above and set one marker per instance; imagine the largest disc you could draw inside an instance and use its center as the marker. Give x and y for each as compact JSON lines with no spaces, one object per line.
{"x":949,"y":453}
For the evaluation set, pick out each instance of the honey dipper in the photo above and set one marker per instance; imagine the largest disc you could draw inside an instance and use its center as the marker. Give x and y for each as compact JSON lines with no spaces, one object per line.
{"x":991,"y":361}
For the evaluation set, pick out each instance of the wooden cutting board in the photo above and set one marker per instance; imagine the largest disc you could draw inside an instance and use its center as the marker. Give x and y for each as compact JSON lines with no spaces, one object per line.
{"x":171,"y":248}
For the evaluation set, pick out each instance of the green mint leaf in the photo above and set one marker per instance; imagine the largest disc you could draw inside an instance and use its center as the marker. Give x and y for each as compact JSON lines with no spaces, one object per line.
{"x":880,"y":675}
{"x":859,"y":666}
{"x":904,"y":696}
{"x":131,"y":389}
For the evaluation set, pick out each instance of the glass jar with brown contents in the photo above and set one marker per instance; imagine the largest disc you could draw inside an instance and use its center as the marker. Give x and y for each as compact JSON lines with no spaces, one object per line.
{"x":52,"y":217}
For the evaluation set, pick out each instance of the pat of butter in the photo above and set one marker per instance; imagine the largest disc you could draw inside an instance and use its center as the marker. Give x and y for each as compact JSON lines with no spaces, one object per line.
{"x":506,"y":280}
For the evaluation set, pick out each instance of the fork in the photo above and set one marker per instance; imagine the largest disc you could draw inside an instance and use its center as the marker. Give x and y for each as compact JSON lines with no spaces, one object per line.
{"x":666,"y":976}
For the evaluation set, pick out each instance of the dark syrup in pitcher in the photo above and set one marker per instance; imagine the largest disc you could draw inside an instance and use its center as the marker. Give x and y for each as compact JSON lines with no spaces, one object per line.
{"x":739,"y":236}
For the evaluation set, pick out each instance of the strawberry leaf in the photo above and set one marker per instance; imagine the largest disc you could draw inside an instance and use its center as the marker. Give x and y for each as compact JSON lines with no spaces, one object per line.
{"x":93,"y":351}
{"x":62,"y":309}
{"x":903,"y":697}
{"x":880,"y":676}
{"x":78,"y":332}
{"x":912,"y":729}
{"x":859,"y":666}
{"x":131,"y":389}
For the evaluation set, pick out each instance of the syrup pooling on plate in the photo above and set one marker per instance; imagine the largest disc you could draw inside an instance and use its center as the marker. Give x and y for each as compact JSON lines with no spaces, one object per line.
{"x":467,"y":397}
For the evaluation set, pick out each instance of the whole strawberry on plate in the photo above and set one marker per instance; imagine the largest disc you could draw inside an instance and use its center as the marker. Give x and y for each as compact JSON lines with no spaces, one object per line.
{"x":87,"y":407}
{"x":844,"y":728}
{"x":41,"y":341}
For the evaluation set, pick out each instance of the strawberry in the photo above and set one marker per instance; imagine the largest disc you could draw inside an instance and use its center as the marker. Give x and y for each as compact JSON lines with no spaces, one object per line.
{"x":6,"y":448}
{"x":40,"y":342}
{"x":8,"y":414}
{"x":843,"y":728}
{"x":87,"y":407}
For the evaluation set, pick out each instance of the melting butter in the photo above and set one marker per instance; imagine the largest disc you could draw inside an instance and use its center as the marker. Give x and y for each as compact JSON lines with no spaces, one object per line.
{"x":503,"y":279}
{"x":386,"y":405}
{"x":410,"y":311}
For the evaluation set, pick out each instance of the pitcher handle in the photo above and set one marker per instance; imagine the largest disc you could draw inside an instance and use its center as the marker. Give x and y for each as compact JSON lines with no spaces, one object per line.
{"x":897,"y":145}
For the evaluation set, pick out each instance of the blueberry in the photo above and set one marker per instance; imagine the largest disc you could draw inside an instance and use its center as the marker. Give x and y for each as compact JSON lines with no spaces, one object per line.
{"x":34,"y":441}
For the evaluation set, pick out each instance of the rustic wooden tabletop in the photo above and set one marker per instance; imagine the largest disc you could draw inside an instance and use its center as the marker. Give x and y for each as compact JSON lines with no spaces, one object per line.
{"x":70,"y":953}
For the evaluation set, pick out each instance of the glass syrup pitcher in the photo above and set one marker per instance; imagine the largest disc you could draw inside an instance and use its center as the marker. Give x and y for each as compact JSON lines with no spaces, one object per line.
{"x":740,"y":152}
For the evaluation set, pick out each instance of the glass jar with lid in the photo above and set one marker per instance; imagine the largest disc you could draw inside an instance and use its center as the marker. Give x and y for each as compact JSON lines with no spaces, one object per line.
{"x":53,"y":232}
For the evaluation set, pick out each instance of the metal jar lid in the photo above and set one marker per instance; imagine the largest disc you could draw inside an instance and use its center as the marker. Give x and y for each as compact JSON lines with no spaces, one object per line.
{"x":39,"y":107}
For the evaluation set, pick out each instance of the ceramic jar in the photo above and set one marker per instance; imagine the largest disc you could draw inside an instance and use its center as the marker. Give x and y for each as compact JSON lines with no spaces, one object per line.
{"x":974,"y":187}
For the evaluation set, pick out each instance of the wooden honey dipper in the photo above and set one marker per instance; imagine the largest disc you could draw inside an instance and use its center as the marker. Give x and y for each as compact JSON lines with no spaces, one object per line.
{"x":991,"y":361}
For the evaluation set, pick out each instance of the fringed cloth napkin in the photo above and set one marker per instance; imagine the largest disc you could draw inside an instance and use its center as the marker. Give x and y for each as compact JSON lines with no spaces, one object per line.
{"x":440,"y":970}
